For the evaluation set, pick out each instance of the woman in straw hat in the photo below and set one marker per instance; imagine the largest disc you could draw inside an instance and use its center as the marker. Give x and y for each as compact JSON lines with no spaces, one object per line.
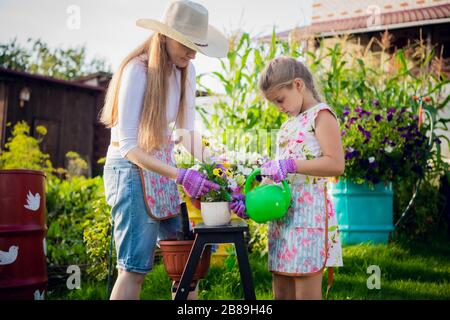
{"x":153,"y":87}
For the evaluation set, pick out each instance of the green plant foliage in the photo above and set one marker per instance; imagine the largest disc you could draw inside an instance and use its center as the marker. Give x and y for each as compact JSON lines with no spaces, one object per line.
{"x":23,"y":152}
{"x":38,"y":58}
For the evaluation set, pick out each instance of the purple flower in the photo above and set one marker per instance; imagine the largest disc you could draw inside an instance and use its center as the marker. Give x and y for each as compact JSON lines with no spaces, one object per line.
{"x":351,"y":153}
{"x":358,"y":109}
{"x":375,"y":102}
{"x":364,"y":132}
{"x":343,"y":133}
{"x":352,"y":120}
{"x":406,"y":136}
{"x":373,"y":164}
{"x":389,"y":117}
{"x":391,"y":110}
{"x":346,"y":111}
{"x":378,"y":118}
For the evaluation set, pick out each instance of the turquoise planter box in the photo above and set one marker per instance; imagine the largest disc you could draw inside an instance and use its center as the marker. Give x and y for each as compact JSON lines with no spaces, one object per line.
{"x":364,"y":214}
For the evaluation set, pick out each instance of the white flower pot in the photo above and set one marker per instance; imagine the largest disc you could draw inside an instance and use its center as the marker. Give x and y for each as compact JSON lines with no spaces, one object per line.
{"x":215,"y":213}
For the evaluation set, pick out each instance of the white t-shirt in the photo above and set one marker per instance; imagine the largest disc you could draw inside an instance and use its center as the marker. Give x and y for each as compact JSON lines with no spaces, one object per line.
{"x":131,"y":99}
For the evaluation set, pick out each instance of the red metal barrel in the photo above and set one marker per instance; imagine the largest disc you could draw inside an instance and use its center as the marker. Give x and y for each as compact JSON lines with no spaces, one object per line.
{"x":23,"y":269}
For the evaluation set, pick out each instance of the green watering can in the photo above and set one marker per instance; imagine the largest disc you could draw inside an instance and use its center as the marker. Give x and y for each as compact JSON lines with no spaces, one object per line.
{"x":267,"y":202}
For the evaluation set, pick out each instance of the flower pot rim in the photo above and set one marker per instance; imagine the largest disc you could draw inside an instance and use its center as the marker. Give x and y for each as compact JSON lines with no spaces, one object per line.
{"x":173,"y":242}
{"x":214,"y":201}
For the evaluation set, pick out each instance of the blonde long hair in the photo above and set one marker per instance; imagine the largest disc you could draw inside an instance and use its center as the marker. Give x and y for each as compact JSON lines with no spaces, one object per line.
{"x":153,"y":123}
{"x":281,"y":72}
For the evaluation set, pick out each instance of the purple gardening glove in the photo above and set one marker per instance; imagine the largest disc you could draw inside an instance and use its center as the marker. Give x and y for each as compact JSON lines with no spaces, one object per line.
{"x":238,"y":205}
{"x":278,"y":169}
{"x":194,"y":183}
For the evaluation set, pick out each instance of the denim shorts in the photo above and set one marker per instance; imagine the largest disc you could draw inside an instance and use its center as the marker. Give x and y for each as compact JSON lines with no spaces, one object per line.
{"x":135,"y":232}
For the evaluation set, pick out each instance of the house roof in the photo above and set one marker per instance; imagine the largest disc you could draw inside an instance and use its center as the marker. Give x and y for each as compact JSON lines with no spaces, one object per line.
{"x":27,"y":75}
{"x":333,"y":17}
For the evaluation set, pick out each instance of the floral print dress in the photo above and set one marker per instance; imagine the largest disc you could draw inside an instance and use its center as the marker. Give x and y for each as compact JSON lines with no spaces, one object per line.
{"x":306,"y":239}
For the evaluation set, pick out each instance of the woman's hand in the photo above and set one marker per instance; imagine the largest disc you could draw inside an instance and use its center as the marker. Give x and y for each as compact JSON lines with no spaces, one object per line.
{"x":194,"y":183}
{"x":278,"y":169}
{"x":238,"y":205}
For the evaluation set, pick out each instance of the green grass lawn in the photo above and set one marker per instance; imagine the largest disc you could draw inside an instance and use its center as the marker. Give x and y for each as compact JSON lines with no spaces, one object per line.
{"x":408,"y":271}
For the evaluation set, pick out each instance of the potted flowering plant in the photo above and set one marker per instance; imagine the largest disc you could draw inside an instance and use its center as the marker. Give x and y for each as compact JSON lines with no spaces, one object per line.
{"x":382,"y":146}
{"x":215,"y":205}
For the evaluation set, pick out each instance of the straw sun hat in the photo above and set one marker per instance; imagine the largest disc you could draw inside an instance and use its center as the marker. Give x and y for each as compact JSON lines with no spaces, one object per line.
{"x":187,"y":22}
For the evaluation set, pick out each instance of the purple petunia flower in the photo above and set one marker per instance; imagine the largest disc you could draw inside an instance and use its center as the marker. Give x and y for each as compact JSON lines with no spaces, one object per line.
{"x":391,"y":110}
{"x":346,"y":111}
{"x":352,"y":120}
{"x":389,"y":117}
{"x":378,"y":118}
{"x":351,"y":153}
{"x":364,"y":132}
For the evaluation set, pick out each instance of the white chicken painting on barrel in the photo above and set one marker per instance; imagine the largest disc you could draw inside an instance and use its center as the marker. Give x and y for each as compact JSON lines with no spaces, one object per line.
{"x":8,"y":257}
{"x":33,"y":201}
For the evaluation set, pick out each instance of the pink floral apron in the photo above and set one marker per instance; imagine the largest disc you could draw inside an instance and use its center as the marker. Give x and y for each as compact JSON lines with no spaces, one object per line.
{"x":161,"y":194}
{"x":307,"y":239}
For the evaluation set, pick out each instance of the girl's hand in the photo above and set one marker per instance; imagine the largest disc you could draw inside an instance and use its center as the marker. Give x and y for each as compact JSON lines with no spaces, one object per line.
{"x":194,"y":183}
{"x":278,"y":169}
{"x":266,"y":180}
{"x":238,"y":205}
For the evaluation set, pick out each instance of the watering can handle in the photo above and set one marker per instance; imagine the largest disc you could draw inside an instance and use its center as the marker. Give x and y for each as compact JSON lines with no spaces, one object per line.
{"x":257,"y":171}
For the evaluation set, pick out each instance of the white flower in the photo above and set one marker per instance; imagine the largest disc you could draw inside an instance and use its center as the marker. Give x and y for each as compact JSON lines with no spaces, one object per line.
{"x":371,"y":159}
{"x":388,"y":149}
{"x":196,"y":167}
{"x":244,"y":170}
{"x":232,"y":184}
